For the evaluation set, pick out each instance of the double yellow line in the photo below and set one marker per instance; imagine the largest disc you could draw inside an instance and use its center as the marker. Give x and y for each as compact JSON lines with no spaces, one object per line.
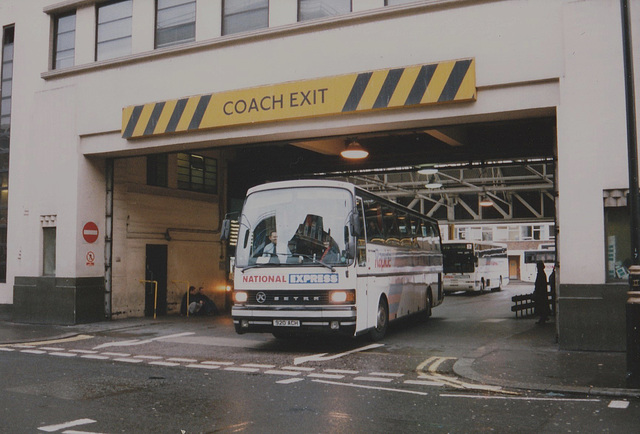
{"x":428,"y":371}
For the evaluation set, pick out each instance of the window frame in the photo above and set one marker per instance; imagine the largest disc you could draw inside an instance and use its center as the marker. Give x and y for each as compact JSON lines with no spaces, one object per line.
{"x":189,"y":185}
{"x":175,"y":42}
{"x":130,"y":36}
{"x":223,"y":17}
{"x":56,"y":24}
{"x":300,"y":20}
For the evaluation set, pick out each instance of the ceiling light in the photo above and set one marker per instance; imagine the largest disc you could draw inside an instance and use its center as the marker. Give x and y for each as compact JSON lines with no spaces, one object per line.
{"x":486,"y":201}
{"x":354,"y":151}
{"x":433,"y":185}
{"x":428,"y":171}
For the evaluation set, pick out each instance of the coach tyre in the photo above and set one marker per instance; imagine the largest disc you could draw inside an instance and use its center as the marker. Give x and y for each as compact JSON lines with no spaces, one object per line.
{"x":382,"y":321}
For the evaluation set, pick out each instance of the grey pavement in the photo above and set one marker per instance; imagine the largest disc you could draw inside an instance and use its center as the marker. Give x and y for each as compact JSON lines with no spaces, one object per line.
{"x":527,"y":361}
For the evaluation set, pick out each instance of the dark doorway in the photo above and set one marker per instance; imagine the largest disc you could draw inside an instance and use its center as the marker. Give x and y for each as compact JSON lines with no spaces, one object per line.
{"x":156,"y":269}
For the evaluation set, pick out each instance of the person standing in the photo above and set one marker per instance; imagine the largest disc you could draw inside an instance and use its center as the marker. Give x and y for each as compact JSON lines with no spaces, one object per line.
{"x":540,"y":296}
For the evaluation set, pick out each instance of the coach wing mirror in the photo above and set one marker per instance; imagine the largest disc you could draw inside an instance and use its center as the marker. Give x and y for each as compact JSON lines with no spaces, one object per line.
{"x":349,"y":245}
{"x":225,"y":230}
{"x":354,"y":222}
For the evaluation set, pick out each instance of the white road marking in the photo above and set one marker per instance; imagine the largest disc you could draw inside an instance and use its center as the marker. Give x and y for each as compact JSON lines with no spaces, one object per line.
{"x":149,"y":357}
{"x":63,"y":354}
{"x":53,"y":428}
{"x":199,"y":366}
{"x":323,"y":356}
{"x":424,"y":383}
{"x":341,"y":371}
{"x":386,"y":374}
{"x":6,"y":349}
{"x":256,"y":365}
{"x":326,"y":376}
{"x":117,"y":354}
{"x":518,"y":398}
{"x":94,"y":357}
{"x":374,"y":379}
{"x":619,"y":404}
{"x":289,"y":381}
{"x":240,"y":369}
{"x":362,"y":386}
{"x":52,"y":348}
{"x":126,"y":360}
{"x":60,"y":341}
{"x":84,"y":351}
{"x":164,"y":364}
{"x":211,"y":362}
{"x":279,"y":372}
{"x":299,"y":368}
{"x":33,"y":351}
{"x":180,"y":360}
{"x":141,"y":342}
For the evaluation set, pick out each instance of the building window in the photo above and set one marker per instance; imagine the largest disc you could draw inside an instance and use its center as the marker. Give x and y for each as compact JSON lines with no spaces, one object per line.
{"x":114,"y":30}
{"x":312,"y":9}
{"x":244,"y":15}
{"x":197,"y":173}
{"x":157,"y":173}
{"x":617,"y":233}
{"x":49,"y":251}
{"x":487,"y":233}
{"x":6,"y":91}
{"x":175,"y":22}
{"x":514,"y":233}
{"x":6,"y":85}
{"x":64,"y":44}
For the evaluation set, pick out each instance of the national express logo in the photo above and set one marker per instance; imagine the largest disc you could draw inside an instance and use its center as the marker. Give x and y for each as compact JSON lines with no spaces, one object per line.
{"x":321,"y":278}
{"x":318,"y":278}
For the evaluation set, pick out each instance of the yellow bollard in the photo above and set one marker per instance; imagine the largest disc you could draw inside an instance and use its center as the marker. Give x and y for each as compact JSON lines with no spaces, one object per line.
{"x":155,"y":295}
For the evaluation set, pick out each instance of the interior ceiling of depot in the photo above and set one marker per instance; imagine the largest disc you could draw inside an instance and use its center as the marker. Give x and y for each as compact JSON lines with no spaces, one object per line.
{"x":511,"y":163}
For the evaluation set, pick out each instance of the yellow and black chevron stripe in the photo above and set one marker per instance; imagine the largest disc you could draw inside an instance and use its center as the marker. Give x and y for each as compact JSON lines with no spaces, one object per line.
{"x":375,"y":90}
{"x":417,"y":85}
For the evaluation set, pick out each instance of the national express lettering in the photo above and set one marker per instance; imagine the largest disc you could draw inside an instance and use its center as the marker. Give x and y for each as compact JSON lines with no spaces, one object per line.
{"x":318,"y":278}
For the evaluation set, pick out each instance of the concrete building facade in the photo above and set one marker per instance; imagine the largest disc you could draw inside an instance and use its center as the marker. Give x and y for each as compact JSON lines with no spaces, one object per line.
{"x":74,"y":166}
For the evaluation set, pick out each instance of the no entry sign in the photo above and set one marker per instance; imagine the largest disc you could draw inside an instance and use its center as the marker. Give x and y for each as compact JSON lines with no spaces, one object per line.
{"x":90,"y":232}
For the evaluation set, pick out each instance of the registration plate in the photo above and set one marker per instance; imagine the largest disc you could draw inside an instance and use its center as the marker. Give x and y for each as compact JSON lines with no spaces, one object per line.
{"x":286,"y":323}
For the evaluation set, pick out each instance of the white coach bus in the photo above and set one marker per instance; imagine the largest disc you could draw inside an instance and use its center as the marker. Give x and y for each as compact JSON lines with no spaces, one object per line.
{"x":532,"y":257}
{"x":474,"y":266}
{"x":326,"y":256}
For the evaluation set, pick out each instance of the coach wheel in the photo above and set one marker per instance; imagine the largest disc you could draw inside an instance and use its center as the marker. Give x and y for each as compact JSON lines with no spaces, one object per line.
{"x":427,"y":311}
{"x":382,"y":321}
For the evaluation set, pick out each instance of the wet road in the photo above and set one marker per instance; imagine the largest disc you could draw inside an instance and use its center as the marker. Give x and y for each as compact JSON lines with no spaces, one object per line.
{"x":201,"y":377}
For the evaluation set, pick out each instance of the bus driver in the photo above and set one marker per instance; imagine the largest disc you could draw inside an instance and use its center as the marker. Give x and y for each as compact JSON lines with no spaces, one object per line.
{"x":270,"y":249}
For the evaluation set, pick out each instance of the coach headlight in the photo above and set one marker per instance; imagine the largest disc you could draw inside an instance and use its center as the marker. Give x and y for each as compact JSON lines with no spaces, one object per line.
{"x":342,"y":297}
{"x":240,"y":297}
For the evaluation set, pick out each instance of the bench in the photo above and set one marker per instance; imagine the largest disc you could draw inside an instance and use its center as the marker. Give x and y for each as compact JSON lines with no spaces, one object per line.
{"x":523,"y":305}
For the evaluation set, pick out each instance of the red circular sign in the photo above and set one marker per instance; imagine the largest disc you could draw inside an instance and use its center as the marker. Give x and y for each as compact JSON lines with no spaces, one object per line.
{"x":90,"y":232}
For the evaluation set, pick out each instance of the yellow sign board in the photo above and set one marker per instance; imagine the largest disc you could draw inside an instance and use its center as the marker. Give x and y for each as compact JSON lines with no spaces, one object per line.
{"x":442,"y":82}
